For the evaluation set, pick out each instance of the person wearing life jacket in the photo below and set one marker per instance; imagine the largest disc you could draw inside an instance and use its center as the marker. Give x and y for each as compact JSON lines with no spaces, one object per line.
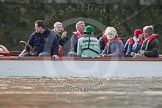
{"x":133,"y":44}
{"x":61,"y":35}
{"x":103,"y":42}
{"x":88,"y":45}
{"x":115,"y":46}
{"x":150,"y":46}
{"x":80,"y":26}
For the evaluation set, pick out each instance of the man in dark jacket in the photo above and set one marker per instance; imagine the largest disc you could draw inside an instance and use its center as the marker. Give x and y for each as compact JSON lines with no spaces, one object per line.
{"x":43,"y":41}
{"x":80,"y":26}
{"x":61,"y":35}
{"x":150,"y":46}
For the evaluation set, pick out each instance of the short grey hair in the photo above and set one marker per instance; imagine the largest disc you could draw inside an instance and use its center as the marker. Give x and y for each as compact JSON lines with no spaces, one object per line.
{"x":57,"y":23}
{"x":149,"y":29}
{"x":77,"y":24}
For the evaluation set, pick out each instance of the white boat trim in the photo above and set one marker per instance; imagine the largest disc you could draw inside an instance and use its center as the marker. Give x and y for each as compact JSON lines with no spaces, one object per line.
{"x":80,"y":67}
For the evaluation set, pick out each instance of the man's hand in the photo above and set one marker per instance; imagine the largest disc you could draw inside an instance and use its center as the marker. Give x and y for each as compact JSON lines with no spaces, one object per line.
{"x":64,"y":34}
{"x":56,"y":57}
{"x":141,"y":52}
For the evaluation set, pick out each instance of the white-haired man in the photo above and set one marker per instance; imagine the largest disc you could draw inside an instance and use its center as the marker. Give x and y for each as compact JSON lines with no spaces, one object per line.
{"x":150,"y":46}
{"x":61,"y":35}
{"x":80,"y":26}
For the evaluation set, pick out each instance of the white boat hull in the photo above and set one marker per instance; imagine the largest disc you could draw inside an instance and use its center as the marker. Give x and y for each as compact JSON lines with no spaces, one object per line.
{"x":81,"y":68}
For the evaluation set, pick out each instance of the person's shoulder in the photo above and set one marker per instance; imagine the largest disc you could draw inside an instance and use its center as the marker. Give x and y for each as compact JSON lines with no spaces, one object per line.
{"x":48,"y":31}
{"x":120,"y":42}
{"x":34,"y":34}
{"x":101,"y":38}
{"x":74,"y":36}
{"x":52,"y":30}
{"x":155,"y":40}
{"x":94,"y":38}
{"x":82,"y":38}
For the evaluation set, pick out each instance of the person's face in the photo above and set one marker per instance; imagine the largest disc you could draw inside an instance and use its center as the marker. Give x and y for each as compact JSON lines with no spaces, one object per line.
{"x":37,"y":28}
{"x":110,"y":36}
{"x":81,"y":27}
{"x":140,"y":36}
{"x":59,"y":28}
{"x":146,"y":35}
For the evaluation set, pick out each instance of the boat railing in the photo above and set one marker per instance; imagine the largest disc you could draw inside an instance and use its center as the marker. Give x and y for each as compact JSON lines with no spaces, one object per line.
{"x":81,"y":58}
{"x":5,"y":54}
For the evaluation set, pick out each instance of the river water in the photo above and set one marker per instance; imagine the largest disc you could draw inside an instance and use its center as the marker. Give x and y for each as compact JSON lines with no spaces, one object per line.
{"x":43,"y":92}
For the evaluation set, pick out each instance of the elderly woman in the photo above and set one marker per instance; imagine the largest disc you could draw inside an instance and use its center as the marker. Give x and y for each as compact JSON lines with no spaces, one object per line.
{"x":115,"y":46}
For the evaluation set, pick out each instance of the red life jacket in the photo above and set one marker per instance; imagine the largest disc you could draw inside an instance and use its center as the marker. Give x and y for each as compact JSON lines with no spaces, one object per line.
{"x":131,"y":41}
{"x":105,"y":39}
{"x":117,"y":38}
{"x":149,"y":39}
{"x":78,"y":34}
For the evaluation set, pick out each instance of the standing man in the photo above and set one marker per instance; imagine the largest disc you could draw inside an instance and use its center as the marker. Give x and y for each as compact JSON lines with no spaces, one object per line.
{"x":80,"y":26}
{"x":150,"y":46}
{"x":61,"y":35}
{"x":88,"y":46}
{"x":43,"y":41}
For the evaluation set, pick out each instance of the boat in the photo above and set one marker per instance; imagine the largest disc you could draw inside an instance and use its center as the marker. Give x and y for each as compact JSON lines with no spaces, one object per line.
{"x":13,"y":65}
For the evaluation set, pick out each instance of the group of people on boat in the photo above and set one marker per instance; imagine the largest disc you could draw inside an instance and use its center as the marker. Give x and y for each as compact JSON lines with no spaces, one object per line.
{"x":48,"y":42}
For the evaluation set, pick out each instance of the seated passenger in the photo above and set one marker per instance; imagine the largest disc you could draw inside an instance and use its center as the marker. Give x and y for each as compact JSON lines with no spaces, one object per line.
{"x":43,"y":41}
{"x":80,"y":26}
{"x":103,"y":42}
{"x":88,"y":46}
{"x":150,"y":46}
{"x":133,"y":44}
{"x":115,"y":46}
{"x":61,"y":35}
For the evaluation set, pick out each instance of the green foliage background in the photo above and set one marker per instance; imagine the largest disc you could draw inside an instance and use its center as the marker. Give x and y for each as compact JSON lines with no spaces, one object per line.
{"x":17,"y":19}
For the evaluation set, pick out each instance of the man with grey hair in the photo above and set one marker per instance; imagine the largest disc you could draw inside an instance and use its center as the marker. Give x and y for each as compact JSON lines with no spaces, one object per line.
{"x":80,"y":26}
{"x":60,"y":33}
{"x":61,"y":36}
{"x":150,"y":46}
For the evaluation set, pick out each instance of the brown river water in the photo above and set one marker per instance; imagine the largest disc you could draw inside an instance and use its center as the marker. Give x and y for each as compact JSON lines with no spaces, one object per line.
{"x":43,"y":92}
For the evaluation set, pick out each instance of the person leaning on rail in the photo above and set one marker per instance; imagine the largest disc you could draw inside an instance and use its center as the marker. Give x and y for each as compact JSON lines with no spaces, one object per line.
{"x":88,"y":45}
{"x":43,"y":41}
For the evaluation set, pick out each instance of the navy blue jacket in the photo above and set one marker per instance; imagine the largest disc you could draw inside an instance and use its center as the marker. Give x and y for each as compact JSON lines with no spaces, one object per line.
{"x":46,"y":42}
